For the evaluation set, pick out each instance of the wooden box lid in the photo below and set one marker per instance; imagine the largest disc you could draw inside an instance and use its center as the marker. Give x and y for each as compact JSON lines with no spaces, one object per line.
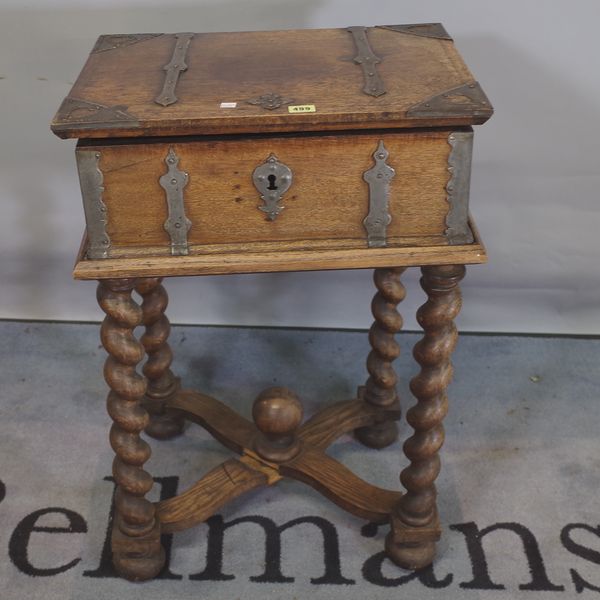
{"x":395,"y":76}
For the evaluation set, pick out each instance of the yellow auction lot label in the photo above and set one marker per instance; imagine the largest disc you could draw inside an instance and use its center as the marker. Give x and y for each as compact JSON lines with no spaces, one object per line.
{"x":302,"y":108}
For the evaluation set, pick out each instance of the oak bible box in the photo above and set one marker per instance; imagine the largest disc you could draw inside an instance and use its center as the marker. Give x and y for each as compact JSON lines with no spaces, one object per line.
{"x":217,"y":153}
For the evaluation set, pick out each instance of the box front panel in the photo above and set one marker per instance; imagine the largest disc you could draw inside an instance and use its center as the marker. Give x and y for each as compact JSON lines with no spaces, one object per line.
{"x":205,"y":194}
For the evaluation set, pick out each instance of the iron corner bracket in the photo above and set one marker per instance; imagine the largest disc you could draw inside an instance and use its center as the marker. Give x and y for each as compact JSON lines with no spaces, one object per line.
{"x":466,"y":100}
{"x":429,"y":30}
{"x":458,"y":231}
{"x":91,"y":181}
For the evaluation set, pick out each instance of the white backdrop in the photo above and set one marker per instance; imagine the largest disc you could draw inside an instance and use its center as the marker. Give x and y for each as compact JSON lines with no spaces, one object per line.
{"x":536,"y":174}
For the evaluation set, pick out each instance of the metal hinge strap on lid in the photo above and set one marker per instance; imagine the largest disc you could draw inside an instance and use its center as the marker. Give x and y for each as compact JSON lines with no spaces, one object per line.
{"x":368,"y":60}
{"x":174,"y":68}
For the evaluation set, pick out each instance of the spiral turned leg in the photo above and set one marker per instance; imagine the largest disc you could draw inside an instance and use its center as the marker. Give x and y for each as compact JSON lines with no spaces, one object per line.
{"x":137,"y":553}
{"x":415,"y":527}
{"x":162,"y":384}
{"x":380,"y":389}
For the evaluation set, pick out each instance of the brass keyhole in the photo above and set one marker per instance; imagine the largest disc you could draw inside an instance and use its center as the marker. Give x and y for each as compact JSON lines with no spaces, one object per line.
{"x":272,"y":179}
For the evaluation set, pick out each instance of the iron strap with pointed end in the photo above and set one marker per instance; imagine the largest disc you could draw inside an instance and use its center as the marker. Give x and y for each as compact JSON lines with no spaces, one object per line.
{"x":174,"y":68}
{"x":378,"y":178}
{"x":368,"y":60}
{"x":177,"y":225}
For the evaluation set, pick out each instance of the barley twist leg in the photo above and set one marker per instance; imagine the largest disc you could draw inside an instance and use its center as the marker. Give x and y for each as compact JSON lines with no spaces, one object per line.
{"x":417,"y":509}
{"x":137,"y":553}
{"x":380,"y":389}
{"x":162,"y":384}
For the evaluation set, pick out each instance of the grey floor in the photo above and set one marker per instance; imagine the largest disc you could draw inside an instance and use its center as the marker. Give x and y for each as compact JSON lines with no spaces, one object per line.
{"x":522,"y":456}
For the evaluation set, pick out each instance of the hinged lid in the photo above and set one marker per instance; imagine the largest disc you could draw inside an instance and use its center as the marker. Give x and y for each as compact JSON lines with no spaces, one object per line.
{"x":266,"y":81}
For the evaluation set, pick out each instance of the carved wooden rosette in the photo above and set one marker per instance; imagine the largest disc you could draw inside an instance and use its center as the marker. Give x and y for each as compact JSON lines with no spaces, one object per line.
{"x":137,"y":553}
{"x":162,"y":384}
{"x":380,"y":389}
{"x":415,"y":527}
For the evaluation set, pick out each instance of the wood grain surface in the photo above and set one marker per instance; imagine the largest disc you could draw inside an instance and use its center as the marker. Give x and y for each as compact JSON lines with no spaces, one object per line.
{"x":342,"y":486}
{"x":327,"y":201}
{"x":307,"y":66}
{"x":323,"y":428}
{"x":218,"y":487}
{"x":245,"y":259}
{"x":222,"y":422}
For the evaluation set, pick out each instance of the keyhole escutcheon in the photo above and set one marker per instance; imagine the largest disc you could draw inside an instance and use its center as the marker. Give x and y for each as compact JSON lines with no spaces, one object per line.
{"x":272,"y":179}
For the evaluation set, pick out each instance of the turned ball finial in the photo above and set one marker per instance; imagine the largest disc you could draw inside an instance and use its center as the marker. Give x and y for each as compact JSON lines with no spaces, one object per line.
{"x":277,"y":413}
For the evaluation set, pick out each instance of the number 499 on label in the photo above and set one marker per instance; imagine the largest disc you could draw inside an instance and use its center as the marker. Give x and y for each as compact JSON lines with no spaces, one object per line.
{"x":302,"y":108}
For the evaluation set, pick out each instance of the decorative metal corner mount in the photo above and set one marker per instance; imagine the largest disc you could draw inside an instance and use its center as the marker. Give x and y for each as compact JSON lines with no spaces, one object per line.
{"x":368,"y":60}
{"x":177,"y":224}
{"x":270,"y":101}
{"x":430,"y":30}
{"x":378,"y":177}
{"x":465,"y":100}
{"x":76,"y":110}
{"x":91,"y":181}
{"x":114,"y":41}
{"x":458,"y":187}
{"x":174,"y":68}
{"x":272,"y":179}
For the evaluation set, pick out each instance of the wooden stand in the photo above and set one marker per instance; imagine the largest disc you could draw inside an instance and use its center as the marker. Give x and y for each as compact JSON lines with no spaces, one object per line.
{"x":255,"y":152}
{"x":277,"y":444}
